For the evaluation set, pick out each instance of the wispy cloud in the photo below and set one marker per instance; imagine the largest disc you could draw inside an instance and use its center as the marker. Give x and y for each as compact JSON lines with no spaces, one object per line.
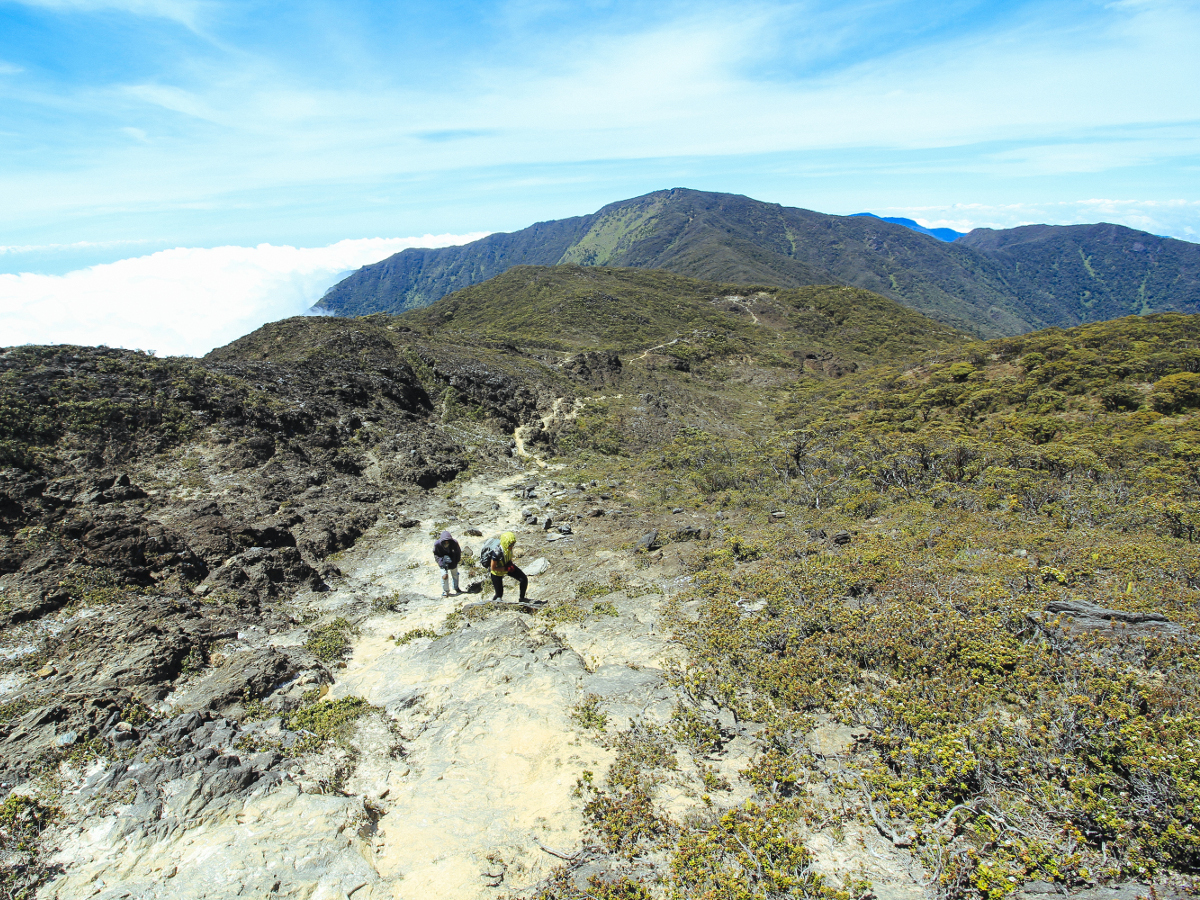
{"x":13,"y":249}
{"x":187,"y":300}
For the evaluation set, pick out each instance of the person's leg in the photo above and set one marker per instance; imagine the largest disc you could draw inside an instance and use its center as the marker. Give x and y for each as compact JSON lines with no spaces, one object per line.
{"x":454,"y":573}
{"x":445,"y":583}
{"x":522,"y":579}
{"x":498,"y":585}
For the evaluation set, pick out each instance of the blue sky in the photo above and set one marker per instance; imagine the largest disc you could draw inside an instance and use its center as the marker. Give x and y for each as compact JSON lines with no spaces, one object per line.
{"x":129,"y":127}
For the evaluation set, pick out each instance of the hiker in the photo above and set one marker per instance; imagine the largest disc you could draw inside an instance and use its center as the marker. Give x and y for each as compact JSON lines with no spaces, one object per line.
{"x":447,"y":553}
{"x":502,"y":565}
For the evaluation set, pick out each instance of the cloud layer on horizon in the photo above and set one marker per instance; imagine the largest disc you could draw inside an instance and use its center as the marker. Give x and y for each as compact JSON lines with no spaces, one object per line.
{"x":184,"y":301}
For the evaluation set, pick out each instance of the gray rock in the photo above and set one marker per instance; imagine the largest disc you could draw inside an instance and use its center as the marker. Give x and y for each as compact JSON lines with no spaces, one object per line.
{"x":1079,"y":615}
{"x":1082,"y":610}
{"x":647,"y":542}
{"x":537,"y":567}
{"x":629,"y":693}
{"x":252,"y":674}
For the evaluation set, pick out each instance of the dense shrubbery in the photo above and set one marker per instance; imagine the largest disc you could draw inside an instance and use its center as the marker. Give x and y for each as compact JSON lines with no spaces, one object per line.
{"x":979,"y":486}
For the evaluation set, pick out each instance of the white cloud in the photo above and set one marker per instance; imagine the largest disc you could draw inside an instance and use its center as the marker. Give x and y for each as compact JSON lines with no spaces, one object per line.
{"x":184,"y":301}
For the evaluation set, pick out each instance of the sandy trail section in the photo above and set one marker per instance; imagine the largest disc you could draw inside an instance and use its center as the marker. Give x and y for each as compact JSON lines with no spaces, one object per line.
{"x":491,"y":756}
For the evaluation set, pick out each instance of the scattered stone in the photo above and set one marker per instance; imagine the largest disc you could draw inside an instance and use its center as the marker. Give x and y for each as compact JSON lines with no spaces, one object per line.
{"x":778,"y":514}
{"x":548,"y":524}
{"x":564,"y":529}
{"x":595,"y":513}
{"x":687,"y":533}
{"x":473,"y":532}
{"x":839,"y":538}
{"x":647,"y":542}
{"x":46,"y":671}
{"x":677,"y":510}
{"x":537,"y":567}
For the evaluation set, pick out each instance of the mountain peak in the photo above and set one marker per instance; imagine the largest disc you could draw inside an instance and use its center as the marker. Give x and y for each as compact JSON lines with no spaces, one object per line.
{"x":988,"y":283}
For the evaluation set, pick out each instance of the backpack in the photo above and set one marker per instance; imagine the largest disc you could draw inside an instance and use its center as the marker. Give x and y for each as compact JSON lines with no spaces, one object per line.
{"x":491,"y":552}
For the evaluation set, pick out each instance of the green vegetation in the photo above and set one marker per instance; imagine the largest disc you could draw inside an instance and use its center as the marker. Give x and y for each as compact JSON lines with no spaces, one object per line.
{"x":326,"y":720}
{"x":114,"y":398}
{"x":969,"y":492}
{"x":330,"y":641}
{"x":569,"y":308}
{"x":748,"y":853}
{"x":587,"y":713}
{"x":621,"y":810}
{"x":415,"y":633}
{"x":22,"y":821}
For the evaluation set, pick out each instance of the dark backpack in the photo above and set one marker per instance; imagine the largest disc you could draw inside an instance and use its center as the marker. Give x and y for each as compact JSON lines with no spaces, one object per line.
{"x":490,"y":552}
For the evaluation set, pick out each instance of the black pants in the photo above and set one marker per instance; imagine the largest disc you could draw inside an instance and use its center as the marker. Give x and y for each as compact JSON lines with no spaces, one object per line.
{"x":522,"y":579}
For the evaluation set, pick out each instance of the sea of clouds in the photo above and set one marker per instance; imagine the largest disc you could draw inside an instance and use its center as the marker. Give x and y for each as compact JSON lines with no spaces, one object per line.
{"x":188,"y":300}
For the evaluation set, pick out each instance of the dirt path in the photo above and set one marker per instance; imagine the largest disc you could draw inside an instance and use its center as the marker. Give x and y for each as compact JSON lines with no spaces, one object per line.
{"x":484,"y":792}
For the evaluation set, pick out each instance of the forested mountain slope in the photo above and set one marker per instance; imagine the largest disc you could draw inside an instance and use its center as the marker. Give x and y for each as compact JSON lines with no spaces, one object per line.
{"x":991,"y":286}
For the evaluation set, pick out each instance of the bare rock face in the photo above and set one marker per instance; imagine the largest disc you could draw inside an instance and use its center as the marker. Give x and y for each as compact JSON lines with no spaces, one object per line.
{"x":251,"y":675}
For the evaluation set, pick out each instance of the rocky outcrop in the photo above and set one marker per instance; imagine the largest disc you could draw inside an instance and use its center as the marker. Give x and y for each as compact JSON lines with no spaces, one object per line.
{"x":595,"y":368}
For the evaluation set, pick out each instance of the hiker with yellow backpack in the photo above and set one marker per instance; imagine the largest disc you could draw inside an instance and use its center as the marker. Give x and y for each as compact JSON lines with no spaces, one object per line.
{"x":498,"y":555}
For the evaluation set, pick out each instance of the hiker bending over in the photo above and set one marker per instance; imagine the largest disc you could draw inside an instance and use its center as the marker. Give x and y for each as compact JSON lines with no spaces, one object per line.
{"x":503,"y":565}
{"x":447,"y":553}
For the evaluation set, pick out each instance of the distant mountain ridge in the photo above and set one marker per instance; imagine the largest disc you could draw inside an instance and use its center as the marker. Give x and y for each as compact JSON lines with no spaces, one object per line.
{"x":942,"y":234}
{"x":989,"y":283}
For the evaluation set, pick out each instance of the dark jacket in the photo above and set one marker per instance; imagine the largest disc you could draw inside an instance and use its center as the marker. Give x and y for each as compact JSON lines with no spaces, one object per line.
{"x":447,"y":552}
